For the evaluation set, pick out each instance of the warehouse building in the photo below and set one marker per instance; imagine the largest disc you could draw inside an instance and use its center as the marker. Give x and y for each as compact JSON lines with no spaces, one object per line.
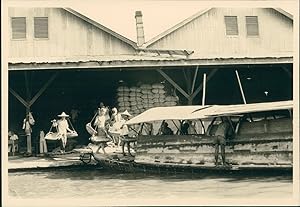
{"x":60,"y":60}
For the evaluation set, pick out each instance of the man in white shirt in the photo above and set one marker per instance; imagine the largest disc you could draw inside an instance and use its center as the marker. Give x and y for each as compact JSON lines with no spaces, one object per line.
{"x":63,"y":128}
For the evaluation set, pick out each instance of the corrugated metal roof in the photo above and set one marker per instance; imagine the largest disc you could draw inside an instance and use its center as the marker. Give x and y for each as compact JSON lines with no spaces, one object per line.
{"x":100,"y":26}
{"x":82,"y":59}
{"x":135,"y":61}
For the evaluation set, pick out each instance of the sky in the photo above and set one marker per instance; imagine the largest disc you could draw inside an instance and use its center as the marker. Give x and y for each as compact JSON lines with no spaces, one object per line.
{"x":158,"y":15}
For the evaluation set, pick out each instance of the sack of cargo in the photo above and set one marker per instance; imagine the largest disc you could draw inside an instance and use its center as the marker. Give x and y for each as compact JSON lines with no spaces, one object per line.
{"x":131,"y":99}
{"x":156,"y":95}
{"x":146,"y":91}
{"x":150,"y":96}
{"x":126,"y":103}
{"x":168,"y":98}
{"x":151,"y":105}
{"x":133,"y":108}
{"x":133,"y":89}
{"x":161,"y":100}
{"x":132,"y":94}
{"x":123,"y":99}
{"x":121,"y":104}
{"x":122,"y":108}
{"x":161,"y":91}
{"x":135,"y":99}
{"x":170,"y":103}
{"x":133,"y":103}
{"x":123,"y":88}
{"x":140,"y":106}
{"x":145,"y":86}
{"x":138,"y":94}
{"x":122,"y":94}
{"x":150,"y":101}
{"x":144,"y":96}
{"x":155,"y":100}
{"x":157,"y":85}
{"x":162,"y":95}
{"x":120,"y":89}
{"x":155,"y":90}
{"x":126,"y":89}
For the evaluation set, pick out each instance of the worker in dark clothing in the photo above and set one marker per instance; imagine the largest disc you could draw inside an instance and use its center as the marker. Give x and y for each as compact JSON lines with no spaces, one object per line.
{"x":220,"y":140}
{"x":185,"y":128}
{"x":166,"y":130}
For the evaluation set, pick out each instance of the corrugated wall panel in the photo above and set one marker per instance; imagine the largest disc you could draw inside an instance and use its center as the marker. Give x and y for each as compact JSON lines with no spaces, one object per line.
{"x":206,"y":35}
{"x":68,"y":36}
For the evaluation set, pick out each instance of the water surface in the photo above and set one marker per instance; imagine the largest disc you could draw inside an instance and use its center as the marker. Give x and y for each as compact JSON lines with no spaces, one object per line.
{"x":98,"y":183}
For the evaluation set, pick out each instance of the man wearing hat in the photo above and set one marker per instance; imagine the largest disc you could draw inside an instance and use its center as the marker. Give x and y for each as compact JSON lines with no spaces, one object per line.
{"x":63,"y":128}
{"x":124,"y":129}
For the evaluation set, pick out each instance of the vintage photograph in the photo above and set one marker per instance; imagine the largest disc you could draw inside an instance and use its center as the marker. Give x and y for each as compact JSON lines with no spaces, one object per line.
{"x":150,"y":103}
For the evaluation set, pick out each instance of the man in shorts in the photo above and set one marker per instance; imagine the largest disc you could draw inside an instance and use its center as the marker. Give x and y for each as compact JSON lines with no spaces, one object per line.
{"x":220,"y":139}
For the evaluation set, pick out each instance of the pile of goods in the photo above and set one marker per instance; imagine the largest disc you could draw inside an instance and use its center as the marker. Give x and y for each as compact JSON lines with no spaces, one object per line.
{"x":138,"y":99}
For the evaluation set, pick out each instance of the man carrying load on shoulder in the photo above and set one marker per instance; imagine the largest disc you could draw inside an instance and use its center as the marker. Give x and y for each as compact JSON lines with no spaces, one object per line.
{"x":63,"y":129}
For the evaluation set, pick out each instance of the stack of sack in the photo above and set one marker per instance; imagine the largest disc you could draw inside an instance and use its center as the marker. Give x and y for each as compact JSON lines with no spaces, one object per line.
{"x":138,"y":99}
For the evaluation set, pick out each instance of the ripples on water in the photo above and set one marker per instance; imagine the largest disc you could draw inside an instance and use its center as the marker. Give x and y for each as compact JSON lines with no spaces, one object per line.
{"x":97,"y":183}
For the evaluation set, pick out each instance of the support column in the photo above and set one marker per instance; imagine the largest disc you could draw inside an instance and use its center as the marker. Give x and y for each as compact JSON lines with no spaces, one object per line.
{"x":28,"y":97}
{"x":210,"y":75}
{"x":204,"y":89}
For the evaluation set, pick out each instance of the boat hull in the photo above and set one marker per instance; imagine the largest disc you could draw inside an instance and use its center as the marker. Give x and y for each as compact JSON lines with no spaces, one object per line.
{"x":130,"y":166}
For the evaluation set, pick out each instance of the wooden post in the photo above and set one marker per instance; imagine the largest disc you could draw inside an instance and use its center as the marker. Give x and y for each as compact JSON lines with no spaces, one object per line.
{"x":28,"y":97}
{"x":210,"y":75}
{"x":241,"y":88}
{"x":194,"y":79}
{"x":173,"y":83}
{"x":28,"y":134}
{"x":204,"y":89}
{"x":191,"y":97}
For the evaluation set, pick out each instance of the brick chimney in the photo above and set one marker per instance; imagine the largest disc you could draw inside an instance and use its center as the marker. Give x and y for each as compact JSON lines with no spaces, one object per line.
{"x":139,"y":28}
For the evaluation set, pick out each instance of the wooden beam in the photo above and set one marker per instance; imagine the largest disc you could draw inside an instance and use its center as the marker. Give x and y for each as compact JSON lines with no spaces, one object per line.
{"x":210,"y":75}
{"x":194,"y":79}
{"x":39,"y":93}
{"x":173,"y":83}
{"x":15,"y":94}
{"x":188,"y":85}
{"x":28,"y":94}
{"x":288,"y":72}
{"x":241,"y":87}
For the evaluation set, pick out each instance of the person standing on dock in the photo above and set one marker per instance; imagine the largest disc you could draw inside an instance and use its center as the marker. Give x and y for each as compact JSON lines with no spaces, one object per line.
{"x":220,"y":139}
{"x":63,"y":128}
{"x":14,"y":139}
{"x":99,"y":123}
{"x":27,"y":123}
{"x":43,"y":143}
{"x":115,"y":125}
{"x":105,"y":111}
{"x":124,"y":131}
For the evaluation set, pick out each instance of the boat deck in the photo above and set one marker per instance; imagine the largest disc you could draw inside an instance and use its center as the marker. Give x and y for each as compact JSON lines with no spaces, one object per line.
{"x":20,"y":163}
